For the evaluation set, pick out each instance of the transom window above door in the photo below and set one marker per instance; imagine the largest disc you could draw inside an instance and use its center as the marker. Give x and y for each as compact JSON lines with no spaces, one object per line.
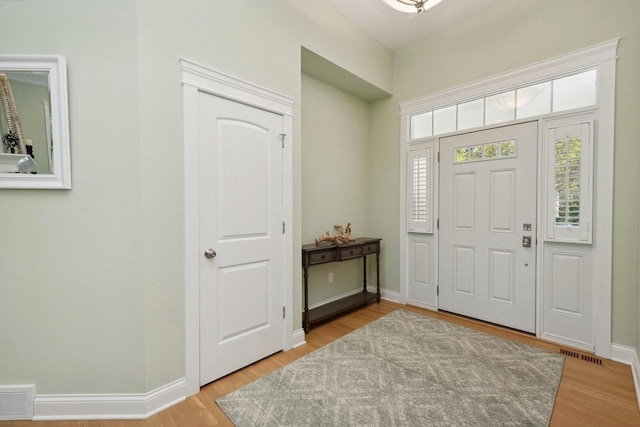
{"x":559,"y":94}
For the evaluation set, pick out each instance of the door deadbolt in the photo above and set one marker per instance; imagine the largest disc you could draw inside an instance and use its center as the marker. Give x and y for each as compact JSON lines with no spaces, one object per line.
{"x":526,"y":241}
{"x":210,"y":254}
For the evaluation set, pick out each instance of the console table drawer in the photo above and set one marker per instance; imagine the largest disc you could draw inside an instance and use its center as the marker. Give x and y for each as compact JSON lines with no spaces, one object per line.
{"x":322,"y":257}
{"x":350,"y":252}
{"x":371,"y":248}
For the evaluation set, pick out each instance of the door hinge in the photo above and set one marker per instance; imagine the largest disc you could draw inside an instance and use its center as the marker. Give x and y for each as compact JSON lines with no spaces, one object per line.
{"x":283,"y":312}
{"x":283,"y":227}
{"x":438,"y":157}
{"x":438,"y":224}
{"x":437,"y":290}
{"x":282,"y":135}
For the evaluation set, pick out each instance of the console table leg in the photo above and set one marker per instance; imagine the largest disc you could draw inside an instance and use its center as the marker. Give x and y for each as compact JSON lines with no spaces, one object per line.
{"x":364,"y":271}
{"x":305,"y":321}
{"x":377,"y":277}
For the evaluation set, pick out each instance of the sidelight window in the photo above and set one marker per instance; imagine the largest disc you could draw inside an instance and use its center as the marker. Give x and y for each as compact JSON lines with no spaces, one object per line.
{"x":569,"y":175}
{"x":420,"y":189}
{"x":568,"y":153}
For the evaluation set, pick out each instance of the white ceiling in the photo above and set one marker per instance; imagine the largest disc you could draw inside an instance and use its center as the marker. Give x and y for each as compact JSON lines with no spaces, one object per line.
{"x":396,"y":29}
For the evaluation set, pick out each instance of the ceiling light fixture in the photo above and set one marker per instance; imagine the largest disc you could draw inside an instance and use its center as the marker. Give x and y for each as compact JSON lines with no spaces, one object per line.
{"x":412,"y":6}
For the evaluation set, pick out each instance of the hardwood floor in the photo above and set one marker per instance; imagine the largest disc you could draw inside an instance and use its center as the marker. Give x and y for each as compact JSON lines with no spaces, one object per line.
{"x":589,"y":394}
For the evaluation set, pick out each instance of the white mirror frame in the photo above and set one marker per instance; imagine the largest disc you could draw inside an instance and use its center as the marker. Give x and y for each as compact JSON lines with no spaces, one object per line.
{"x":56,"y":67}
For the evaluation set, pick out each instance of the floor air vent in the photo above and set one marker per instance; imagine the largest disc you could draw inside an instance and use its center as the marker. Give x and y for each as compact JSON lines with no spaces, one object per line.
{"x":581,"y":356}
{"x":16,"y":402}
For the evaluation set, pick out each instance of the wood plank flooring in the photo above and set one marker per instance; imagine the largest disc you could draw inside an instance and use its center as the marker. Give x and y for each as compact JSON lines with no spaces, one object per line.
{"x":589,"y":394}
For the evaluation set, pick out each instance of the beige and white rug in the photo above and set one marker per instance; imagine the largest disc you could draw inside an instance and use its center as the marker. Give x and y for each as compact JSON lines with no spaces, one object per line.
{"x":405,"y":369}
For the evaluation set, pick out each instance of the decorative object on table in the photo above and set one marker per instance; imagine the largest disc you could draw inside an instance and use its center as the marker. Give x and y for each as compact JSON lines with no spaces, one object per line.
{"x":344,"y":236}
{"x":11,"y":113}
{"x":406,"y":369}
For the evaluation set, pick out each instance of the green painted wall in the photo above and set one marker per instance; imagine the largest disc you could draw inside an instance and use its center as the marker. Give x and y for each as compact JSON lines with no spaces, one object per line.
{"x":260,"y":44}
{"x":71,"y":301}
{"x":384,"y":187}
{"x":335,"y":177}
{"x":91,"y":280}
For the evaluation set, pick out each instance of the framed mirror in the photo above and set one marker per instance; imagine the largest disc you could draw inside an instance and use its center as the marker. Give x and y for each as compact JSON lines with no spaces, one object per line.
{"x":34,"y":122}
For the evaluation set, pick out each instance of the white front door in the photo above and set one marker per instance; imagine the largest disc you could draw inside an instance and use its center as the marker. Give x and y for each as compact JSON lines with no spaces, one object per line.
{"x":487,"y":210}
{"x":241,"y":235}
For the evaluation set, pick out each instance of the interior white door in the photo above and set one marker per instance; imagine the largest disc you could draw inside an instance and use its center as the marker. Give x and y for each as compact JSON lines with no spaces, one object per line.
{"x":241,"y":235}
{"x":487,"y":210}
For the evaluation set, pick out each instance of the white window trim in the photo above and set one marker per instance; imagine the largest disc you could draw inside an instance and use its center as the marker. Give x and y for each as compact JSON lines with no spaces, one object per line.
{"x":601,"y":56}
{"x":595,"y":55}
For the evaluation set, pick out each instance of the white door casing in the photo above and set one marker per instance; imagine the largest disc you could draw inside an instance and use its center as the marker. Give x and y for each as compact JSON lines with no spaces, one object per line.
{"x":602,"y":57}
{"x":487,"y":209}
{"x":241,"y":294}
{"x":197,"y":80}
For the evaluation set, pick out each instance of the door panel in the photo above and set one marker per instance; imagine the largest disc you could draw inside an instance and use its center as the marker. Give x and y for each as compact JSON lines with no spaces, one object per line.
{"x":421,"y":286}
{"x":241,"y":199}
{"x":488,"y":194}
{"x":242,"y":146}
{"x":501,"y":266}
{"x":568,"y":295}
{"x":464,"y":193}
{"x":463,"y":270}
{"x":502,"y":200}
{"x":235,"y":283}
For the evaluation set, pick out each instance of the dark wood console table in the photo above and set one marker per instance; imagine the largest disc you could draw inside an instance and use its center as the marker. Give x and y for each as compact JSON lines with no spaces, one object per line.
{"x":320,"y":254}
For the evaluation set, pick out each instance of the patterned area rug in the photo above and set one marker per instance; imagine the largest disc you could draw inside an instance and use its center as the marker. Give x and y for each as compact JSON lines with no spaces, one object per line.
{"x":405,"y":369}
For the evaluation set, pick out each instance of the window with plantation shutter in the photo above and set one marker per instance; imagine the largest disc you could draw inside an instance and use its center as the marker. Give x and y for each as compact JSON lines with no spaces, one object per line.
{"x":567,"y":181}
{"x":420,"y":190}
{"x":569,"y":176}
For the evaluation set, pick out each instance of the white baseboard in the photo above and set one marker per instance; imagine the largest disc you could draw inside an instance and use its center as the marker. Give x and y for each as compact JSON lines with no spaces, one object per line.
{"x":298,"y":338}
{"x":422,"y":305}
{"x":635,"y":368}
{"x":385,"y":294}
{"x":628,"y":356}
{"x":623,"y":354}
{"x":567,"y":341}
{"x":392,"y":296}
{"x":336,"y":298}
{"x":52,"y":407}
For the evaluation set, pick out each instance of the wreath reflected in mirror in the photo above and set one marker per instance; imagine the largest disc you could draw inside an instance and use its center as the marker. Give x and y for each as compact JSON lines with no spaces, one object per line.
{"x":11,"y":141}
